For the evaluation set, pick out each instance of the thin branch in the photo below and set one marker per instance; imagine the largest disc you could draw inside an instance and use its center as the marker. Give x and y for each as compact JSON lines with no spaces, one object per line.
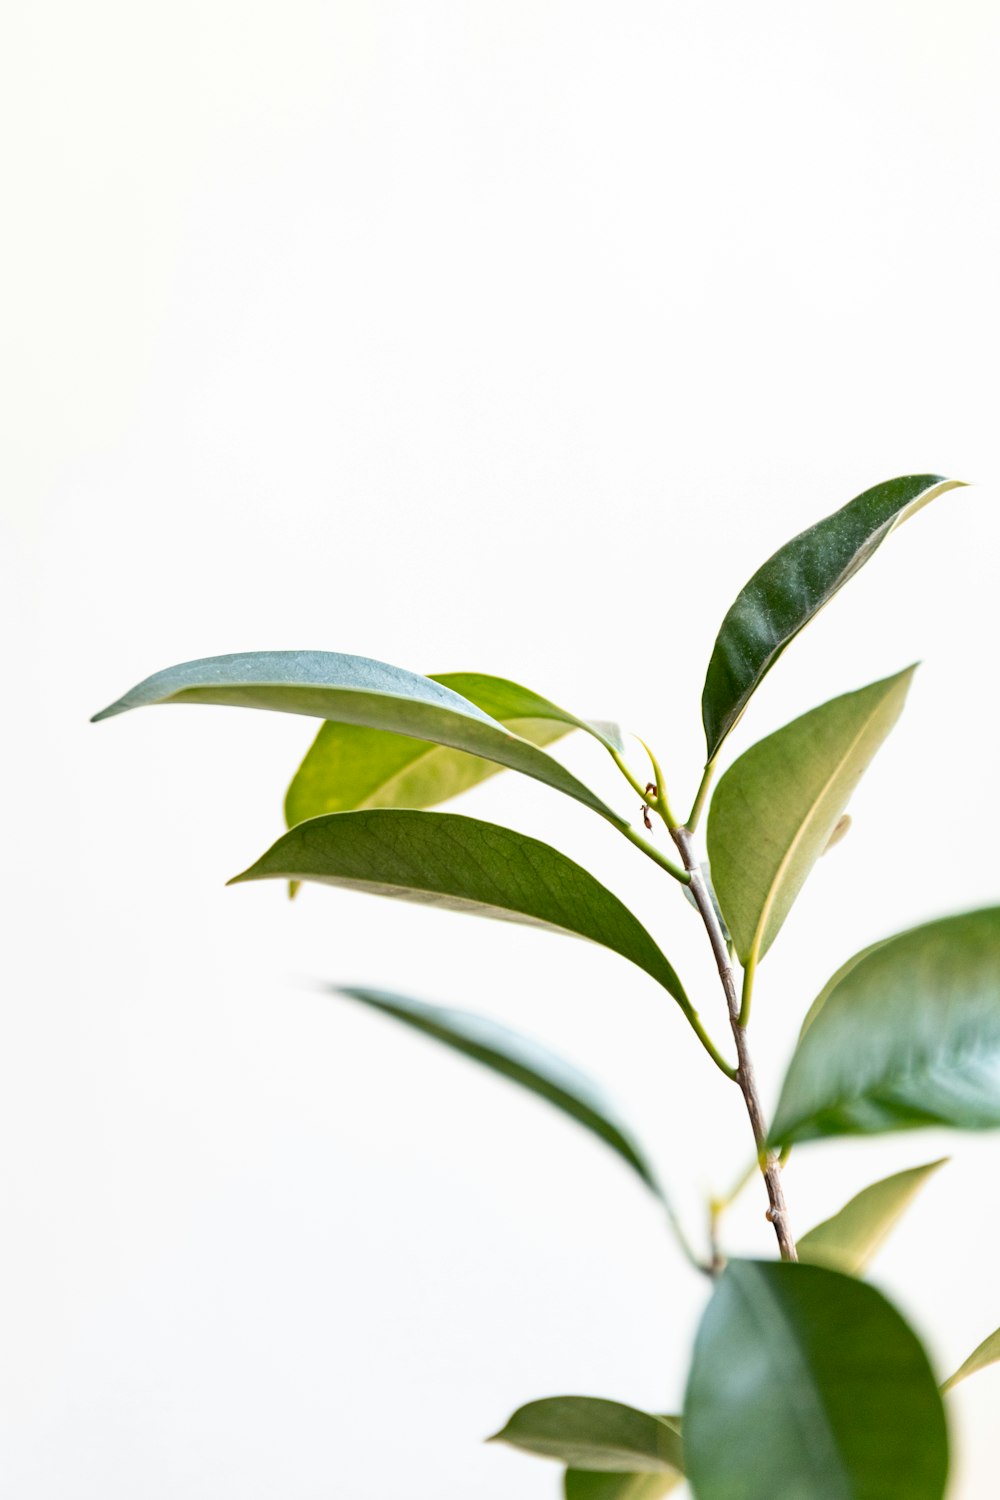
{"x":699,"y":801}
{"x":770,"y":1164}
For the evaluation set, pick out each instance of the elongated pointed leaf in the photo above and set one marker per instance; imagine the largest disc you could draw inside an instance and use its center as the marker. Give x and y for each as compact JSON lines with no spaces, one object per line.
{"x":792,"y":587}
{"x":987,"y":1353}
{"x":776,"y":808}
{"x":582,"y":1484}
{"x":350,"y":766}
{"x":601,"y":1436}
{"x":848,"y":1241}
{"x":446,"y":860}
{"x":355,"y":690}
{"x":806,"y":1383}
{"x":524,"y":1062}
{"x":907,"y":1034}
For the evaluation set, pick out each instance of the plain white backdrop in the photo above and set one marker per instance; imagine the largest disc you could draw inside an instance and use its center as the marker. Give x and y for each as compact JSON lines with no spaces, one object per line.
{"x":497,"y":336}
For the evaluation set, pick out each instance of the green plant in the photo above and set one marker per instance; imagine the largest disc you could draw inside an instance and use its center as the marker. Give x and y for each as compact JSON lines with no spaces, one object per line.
{"x":805,"y":1383}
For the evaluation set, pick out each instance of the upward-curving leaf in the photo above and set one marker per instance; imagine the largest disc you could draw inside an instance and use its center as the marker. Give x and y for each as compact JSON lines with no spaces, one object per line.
{"x":792,"y":587}
{"x":350,"y":766}
{"x":986,"y":1353}
{"x":776,"y":808}
{"x":905,"y":1034}
{"x":524,"y":1062}
{"x":848,"y":1241}
{"x":444,"y":859}
{"x":356,"y":690}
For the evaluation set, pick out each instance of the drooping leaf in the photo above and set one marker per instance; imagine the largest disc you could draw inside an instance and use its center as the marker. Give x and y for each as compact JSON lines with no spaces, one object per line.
{"x":906,"y":1034}
{"x":355,"y":690}
{"x":601,"y":1436}
{"x":776,"y":808}
{"x":807,"y":1383}
{"x":848,"y":1241}
{"x":524,"y":1062}
{"x":793,"y":585}
{"x":350,"y":766}
{"x":447,"y":860}
{"x":987,"y":1353}
{"x":583,"y":1484}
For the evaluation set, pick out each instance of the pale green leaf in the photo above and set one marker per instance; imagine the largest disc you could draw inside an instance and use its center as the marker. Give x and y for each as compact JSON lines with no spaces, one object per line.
{"x":987,"y":1353}
{"x":777,"y":807}
{"x":848,"y":1241}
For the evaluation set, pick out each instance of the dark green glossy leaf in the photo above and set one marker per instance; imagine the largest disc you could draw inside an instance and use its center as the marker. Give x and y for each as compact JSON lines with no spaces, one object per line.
{"x":350,"y":766}
{"x":808,"y":1385}
{"x":987,"y":1353}
{"x":848,"y":1241}
{"x":355,"y":690}
{"x":524,"y":1062}
{"x":446,"y":860}
{"x":601,"y":1436}
{"x":793,"y":586}
{"x":777,"y":807}
{"x":905,"y":1034}
{"x":582,"y":1484}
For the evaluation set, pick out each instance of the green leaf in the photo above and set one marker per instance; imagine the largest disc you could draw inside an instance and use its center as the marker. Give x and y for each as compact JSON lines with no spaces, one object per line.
{"x":447,"y":860}
{"x":793,"y":586}
{"x":848,"y":1241}
{"x":905,"y":1034}
{"x":355,"y":690}
{"x":988,"y":1353}
{"x":582,"y":1484}
{"x":601,"y":1436}
{"x":350,"y":766}
{"x":776,"y":809}
{"x":807,"y":1385}
{"x":524,"y":1062}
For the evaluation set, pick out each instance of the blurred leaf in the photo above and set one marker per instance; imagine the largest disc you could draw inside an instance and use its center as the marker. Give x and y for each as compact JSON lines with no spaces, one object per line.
{"x":581,"y":1484}
{"x":776,"y":808}
{"x":521,"y":1060}
{"x":600,"y":1436}
{"x":988,"y":1353}
{"x":350,"y":767}
{"x":446,"y":860}
{"x":792,"y":587}
{"x":808,"y":1385}
{"x":355,"y":690}
{"x":848,"y":1241}
{"x":907,"y":1033}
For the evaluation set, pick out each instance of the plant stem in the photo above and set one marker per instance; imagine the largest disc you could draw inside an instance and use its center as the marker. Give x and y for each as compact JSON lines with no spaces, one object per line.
{"x":769,"y":1161}
{"x":636,"y":838}
{"x":699,"y":801}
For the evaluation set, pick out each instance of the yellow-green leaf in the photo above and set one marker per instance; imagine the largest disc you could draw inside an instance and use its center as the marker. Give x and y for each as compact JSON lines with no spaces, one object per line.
{"x":987,"y":1353}
{"x":777,"y":807}
{"x":848,"y":1241}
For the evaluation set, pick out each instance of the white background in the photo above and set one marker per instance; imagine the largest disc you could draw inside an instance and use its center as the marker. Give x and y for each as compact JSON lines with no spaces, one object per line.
{"x":495,"y":336}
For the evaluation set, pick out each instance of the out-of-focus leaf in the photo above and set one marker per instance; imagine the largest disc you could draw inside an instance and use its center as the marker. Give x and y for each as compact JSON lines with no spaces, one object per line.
{"x":524,"y":1062}
{"x":350,"y":767}
{"x":808,"y":1385}
{"x":776,"y":808}
{"x":987,"y":1353}
{"x":848,"y":1241}
{"x":443,"y":859}
{"x":600,"y":1436}
{"x":582,"y":1484}
{"x":906,"y":1034}
{"x":792,"y":587}
{"x":355,"y":690}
